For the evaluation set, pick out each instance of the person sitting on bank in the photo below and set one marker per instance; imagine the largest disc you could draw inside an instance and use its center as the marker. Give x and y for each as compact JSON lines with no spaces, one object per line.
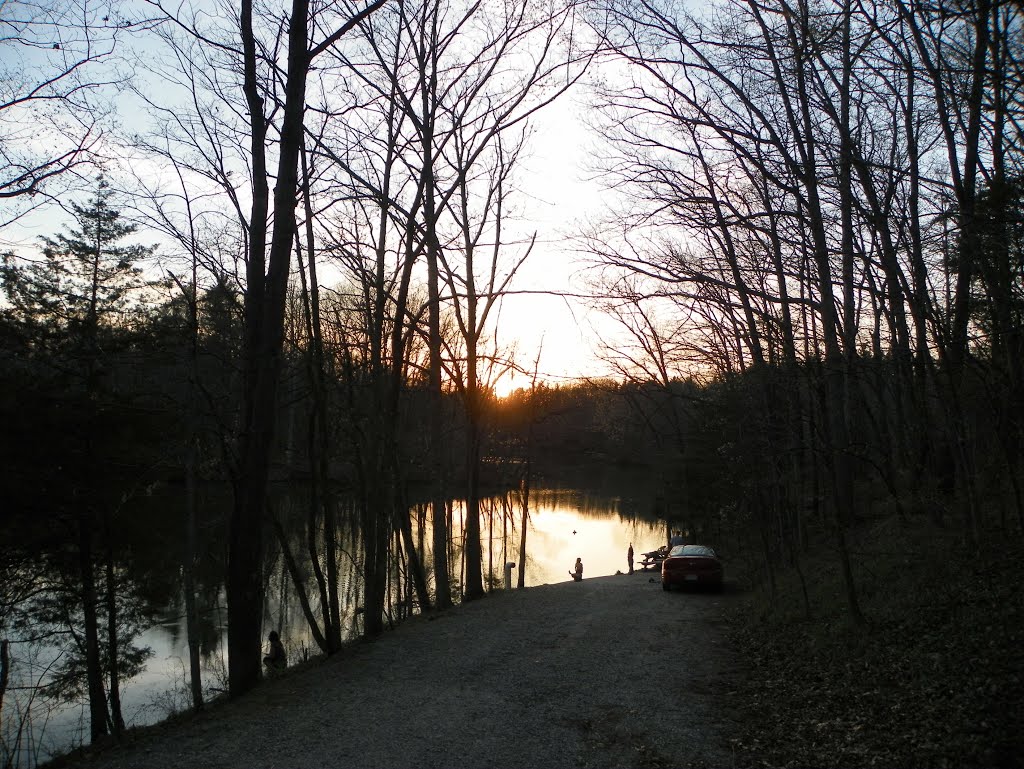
{"x":577,"y":572}
{"x":277,"y":659}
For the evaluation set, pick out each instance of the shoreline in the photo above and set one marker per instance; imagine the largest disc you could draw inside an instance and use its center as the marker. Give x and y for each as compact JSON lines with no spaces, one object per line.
{"x":555,"y":675}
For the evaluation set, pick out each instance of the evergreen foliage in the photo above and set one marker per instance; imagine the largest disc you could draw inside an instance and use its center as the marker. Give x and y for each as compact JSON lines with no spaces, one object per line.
{"x":86,"y":280}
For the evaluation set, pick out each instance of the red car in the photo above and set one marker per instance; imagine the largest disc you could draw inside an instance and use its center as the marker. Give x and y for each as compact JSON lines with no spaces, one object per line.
{"x":695,"y":565}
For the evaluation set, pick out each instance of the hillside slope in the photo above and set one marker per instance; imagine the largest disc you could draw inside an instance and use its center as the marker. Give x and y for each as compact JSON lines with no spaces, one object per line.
{"x":934,"y":679}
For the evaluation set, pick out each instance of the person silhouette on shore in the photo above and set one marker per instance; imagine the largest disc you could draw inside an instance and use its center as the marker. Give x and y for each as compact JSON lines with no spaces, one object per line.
{"x":277,"y":659}
{"x":577,"y":572}
{"x":629,"y":557}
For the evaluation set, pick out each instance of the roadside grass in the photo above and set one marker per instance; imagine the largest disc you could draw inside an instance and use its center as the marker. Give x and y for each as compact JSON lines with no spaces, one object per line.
{"x":935,"y":677}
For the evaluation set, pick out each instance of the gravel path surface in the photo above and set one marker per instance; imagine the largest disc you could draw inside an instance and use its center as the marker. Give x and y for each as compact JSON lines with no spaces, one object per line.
{"x":609,"y":672}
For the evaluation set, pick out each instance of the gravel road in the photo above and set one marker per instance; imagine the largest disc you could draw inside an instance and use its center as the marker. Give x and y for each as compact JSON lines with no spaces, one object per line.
{"x":608,"y":672}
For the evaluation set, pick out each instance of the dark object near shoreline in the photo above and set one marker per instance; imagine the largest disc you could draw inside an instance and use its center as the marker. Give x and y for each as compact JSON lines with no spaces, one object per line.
{"x":277,"y":659}
{"x":692,"y":566}
{"x":654,"y":558}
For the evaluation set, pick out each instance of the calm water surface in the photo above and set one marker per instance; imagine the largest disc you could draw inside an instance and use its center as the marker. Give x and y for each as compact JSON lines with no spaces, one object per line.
{"x":564,"y":525}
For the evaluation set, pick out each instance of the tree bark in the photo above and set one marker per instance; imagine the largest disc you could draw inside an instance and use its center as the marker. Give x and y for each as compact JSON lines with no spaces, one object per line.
{"x":264,"y":335}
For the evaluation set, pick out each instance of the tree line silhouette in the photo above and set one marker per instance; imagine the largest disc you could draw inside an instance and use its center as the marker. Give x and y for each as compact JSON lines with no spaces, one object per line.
{"x":816,"y":272}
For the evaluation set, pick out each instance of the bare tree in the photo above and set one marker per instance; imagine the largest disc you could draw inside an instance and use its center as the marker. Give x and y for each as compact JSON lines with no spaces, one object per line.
{"x":445,"y":83}
{"x":274,"y":97}
{"x":58,"y":66}
{"x":764,"y":154}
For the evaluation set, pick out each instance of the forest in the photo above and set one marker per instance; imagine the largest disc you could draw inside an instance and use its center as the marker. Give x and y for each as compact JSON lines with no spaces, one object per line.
{"x":270,"y":245}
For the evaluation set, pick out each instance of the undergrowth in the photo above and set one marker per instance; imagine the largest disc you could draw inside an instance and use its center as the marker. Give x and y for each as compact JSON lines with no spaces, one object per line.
{"x":934,"y":678}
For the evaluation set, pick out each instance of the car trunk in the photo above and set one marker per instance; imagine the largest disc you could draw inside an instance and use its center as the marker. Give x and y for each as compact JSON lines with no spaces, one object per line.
{"x":691,"y":564}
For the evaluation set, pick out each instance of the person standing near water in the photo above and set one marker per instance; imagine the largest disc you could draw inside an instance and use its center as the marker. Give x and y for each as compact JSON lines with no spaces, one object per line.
{"x":629,"y":557}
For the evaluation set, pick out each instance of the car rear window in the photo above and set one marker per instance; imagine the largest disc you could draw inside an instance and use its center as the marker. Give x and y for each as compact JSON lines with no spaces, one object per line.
{"x":692,"y":550}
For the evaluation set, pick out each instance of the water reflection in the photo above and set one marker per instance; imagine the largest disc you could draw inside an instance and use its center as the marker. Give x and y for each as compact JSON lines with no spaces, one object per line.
{"x":563,"y":524}
{"x":566,"y":524}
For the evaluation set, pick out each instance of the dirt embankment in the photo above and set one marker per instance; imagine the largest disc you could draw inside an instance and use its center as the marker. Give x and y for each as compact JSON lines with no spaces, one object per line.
{"x":610,"y":672}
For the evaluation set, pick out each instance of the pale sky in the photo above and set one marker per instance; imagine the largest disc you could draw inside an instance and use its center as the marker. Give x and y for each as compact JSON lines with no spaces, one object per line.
{"x":560,"y":199}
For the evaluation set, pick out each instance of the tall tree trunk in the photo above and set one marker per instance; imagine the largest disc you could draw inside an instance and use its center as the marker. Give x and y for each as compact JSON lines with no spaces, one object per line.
{"x":264,"y":335}
{"x":5,"y":671}
{"x":392,"y":383}
{"x":116,"y":717}
{"x":442,"y":579}
{"x":835,"y":420}
{"x":474,"y":587}
{"x":188,"y":574}
{"x":93,"y":666}
{"x":244,"y":596}
{"x":527,"y":479}
{"x":188,"y":560}
{"x":319,"y":441}
{"x":320,"y":504}
{"x":967,"y":193}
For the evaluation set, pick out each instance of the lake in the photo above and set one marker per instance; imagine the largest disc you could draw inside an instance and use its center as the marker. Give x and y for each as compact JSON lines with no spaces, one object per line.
{"x":564,"y":524}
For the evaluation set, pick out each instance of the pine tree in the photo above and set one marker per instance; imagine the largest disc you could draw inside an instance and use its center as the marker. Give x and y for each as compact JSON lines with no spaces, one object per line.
{"x":84,"y":282}
{"x":66,"y":304}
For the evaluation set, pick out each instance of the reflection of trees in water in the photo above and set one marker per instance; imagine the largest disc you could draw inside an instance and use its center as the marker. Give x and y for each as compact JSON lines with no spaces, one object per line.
{"x":629,"y":498}
{"x":501,"y":525}
{"x":39,"y":608}
{"x":312,"y":575}
{"x":135,"y":573}
{"x":47,"y":666}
